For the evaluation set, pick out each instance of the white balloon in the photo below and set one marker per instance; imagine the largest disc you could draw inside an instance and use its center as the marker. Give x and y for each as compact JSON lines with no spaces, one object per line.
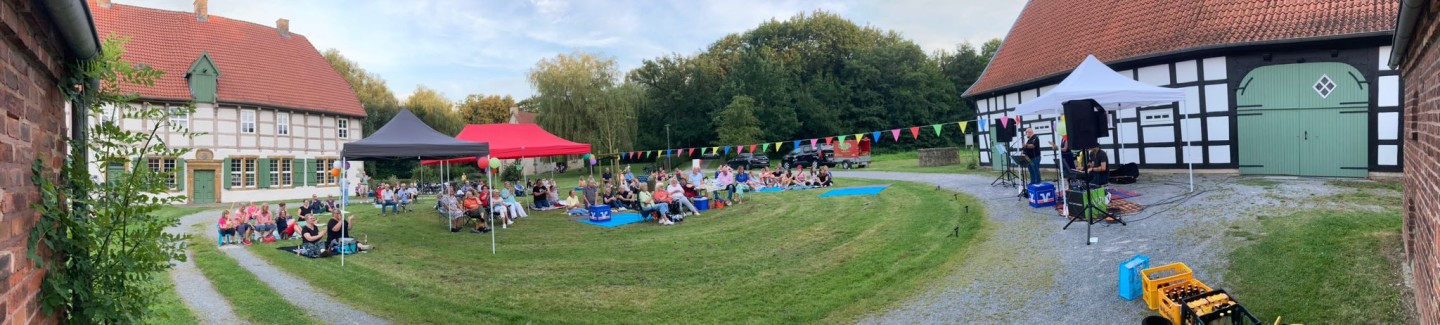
{"x":336,"y":165}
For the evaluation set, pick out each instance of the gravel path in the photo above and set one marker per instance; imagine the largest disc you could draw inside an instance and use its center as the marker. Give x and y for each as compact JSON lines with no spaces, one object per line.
{"x":315,"y":303}
{"x":195,"y":290}
{"x":1029,"y":271}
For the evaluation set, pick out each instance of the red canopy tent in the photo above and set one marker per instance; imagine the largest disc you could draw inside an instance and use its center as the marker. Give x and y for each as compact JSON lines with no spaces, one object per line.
{"x":514,"y":141}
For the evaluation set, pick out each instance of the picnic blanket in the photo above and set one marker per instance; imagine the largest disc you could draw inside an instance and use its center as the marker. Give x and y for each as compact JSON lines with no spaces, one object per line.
{"x":1117,"y":193}
{"x":851,"y":191}
{"x":616,"y":220}
{"x":291,"y":250}
{"x":1124,"y":207}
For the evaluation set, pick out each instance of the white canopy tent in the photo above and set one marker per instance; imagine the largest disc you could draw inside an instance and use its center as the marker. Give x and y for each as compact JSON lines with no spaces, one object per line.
{"x":1094,"y":80}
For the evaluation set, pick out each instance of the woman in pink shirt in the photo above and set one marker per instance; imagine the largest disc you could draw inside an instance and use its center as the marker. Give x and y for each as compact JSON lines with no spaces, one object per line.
{"x":265,"y":223}
{"x":243,"y":226}
{"x":227,"y":226}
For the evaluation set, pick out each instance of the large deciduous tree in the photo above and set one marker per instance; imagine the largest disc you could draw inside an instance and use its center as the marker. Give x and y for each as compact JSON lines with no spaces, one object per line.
{"x":577,"y":98}
{"x":737,"y":123}
{"x":481,"y":109}
{"x":435,"y":110}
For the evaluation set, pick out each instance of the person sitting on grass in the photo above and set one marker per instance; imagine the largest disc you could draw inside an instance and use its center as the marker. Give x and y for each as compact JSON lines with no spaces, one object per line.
{"x":677,"y":194}
{"x":330,"y":203}
{"x":310,"y":237}
{"x":474,"y":210}
{"x":629,"y":176}
{"x":243,"y":225}
{"x":659,"y":203}
{"x":265,"y":223}
{"x":628,"y":199}
{"x":574,"y":207}
{"x":512,"y":206}
{"x":611,"y":198}
{"x":227,"y":225}
{"x":553,"y":197}
{"x":824,"y":177}
{"x":284,"y":222}
{"x":339,"y":228}
{"x":318,"y":207}
{"x":726,"y":181}
{"x":539,"y":195}
{"x":742,"y":183}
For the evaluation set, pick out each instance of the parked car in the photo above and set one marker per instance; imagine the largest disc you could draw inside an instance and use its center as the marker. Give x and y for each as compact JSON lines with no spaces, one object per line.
{"x":749,"y":161}
{"x":809,"y":157}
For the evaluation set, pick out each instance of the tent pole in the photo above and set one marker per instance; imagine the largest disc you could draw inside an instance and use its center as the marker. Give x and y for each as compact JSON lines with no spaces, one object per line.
{"x":491,"y":177}
{"x":345,"y":201}
{"x":1188,"y":161}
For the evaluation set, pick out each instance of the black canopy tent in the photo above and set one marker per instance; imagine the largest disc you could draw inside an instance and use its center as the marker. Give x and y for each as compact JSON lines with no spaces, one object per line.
{"x":404,"y":137}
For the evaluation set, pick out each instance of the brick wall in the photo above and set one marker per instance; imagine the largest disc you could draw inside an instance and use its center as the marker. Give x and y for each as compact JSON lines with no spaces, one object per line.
{"x":32,"y":124}
{"x":1421,"y":72}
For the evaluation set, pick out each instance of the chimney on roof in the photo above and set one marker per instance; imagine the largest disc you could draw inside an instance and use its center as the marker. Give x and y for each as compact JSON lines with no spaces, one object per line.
{"x":202,"y":10}
{"x":282,"y":25}
{"x":104,"y":4}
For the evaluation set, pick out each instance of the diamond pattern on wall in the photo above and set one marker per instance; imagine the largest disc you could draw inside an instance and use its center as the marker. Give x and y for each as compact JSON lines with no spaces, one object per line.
{"x":1324,"y":86}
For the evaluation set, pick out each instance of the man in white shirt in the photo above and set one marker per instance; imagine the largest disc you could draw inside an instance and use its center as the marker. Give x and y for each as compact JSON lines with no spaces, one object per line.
{"x":677,"y":193}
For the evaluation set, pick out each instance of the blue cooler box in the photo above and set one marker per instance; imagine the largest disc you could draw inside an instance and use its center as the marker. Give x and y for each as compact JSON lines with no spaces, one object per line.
{"x":701,"y":203}
{"x":1041,"y":195}
{"x":599,"y":212}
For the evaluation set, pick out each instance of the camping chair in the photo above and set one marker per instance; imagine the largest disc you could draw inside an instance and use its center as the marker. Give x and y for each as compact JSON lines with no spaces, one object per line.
{"x":222,"y":236}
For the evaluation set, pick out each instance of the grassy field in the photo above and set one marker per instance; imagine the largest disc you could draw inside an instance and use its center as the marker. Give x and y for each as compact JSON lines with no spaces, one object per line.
{"x":910,"y":162}
{"x":170,"y":309}
{"x":252,"y":299}
{"x":1323,"y":267}
{"x":779,"y":258}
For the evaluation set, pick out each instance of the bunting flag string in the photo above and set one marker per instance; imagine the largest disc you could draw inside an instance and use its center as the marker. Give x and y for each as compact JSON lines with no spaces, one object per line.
{"x":981,"y":124}
{"x":914,"y":132}
{"x":896,"y":134}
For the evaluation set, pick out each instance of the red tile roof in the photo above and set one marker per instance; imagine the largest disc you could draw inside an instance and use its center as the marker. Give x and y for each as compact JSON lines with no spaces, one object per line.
{"x":1052,"y":36}
{"x":257,"y":65}
{"x":523,"y":117}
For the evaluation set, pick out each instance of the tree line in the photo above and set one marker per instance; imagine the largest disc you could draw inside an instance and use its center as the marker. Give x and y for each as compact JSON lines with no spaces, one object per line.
{"x":812,"y":75}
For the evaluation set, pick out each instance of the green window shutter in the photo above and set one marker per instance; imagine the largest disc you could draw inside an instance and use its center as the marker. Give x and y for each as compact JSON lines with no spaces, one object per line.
{"x":297,"y":172}
{"x":225,"y":169}
{"x":180,"y":174}
{"x":262,"y":171}
{"x":309,"y":172}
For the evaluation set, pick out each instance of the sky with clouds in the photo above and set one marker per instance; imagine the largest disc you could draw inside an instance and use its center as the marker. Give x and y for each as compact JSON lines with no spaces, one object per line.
{"x":462,"y":47}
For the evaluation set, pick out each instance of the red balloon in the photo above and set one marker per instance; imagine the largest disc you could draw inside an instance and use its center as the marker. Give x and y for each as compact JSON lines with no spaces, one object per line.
{"x":483,"y":163}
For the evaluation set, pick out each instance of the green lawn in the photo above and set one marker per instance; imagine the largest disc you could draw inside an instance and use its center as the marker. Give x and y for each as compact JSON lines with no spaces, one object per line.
{"x":251,"y":299}
{"x":779,"y":258}
{"x":1322,"y":267}
{"x":910,"y":162}
{"x":170,"y":309}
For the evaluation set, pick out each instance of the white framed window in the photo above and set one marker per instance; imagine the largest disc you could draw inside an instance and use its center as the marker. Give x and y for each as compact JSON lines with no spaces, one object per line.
{"x":242,"y":173}
{"x":287,"y":178}
{"x":282,"y":123}
{"x":166,"y":166}
{"x":342,"y":128}
{"x":247,"y":121}
{"x":178,"y":117}
{"x":322,"y":172}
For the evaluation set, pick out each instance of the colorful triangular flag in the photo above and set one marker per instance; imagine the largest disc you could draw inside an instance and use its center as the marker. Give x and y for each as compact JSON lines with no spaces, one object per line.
{"x":765,"y":147}
{"x":895,"y":134}
{"x":842,"y":139}
{"x":727,"y":150}
{"x":829,"y":141}
{"x":875,"y":136}
{"x":859,"y":136}
{"x":752,"y":149}
{"x":812,"y":142}
{"x":777,"y":145}
{"x":984,"y":126}
{"x":796,"y":144}
{"x":915,"y":132}
{"x":1005,"y":122}
{"x":937,"y":128}
{"x":962,"y":126}
{"x":692,"y":151}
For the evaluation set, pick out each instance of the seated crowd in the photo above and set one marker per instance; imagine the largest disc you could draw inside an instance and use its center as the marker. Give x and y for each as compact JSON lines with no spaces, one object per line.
{"x":251,"y":223}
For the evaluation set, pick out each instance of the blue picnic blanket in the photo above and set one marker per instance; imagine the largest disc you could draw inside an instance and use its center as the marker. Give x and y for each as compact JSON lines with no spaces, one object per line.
{"x":616,"y":220}
{"x":862,"y":190}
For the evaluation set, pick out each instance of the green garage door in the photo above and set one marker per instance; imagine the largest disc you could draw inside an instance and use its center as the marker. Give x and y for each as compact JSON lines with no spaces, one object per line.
{"x":1305,"y":119}
{"x":203,"y":186}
